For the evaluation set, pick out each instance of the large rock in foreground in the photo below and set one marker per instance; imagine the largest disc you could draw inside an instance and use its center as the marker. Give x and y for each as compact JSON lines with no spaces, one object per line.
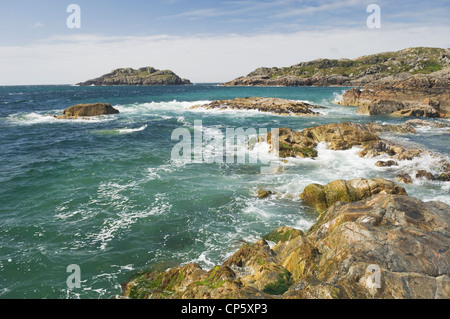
{"x":88,"y":110}
{"x":143,"y":76}
{"x":386,"y":246}
{"x":263,"y":104}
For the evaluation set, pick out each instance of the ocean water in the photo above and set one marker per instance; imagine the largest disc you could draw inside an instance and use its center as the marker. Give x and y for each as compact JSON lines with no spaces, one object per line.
{"x":105,"y":194}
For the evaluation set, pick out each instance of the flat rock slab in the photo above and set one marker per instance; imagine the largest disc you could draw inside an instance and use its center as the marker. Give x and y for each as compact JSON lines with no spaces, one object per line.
{"x":263,"y":104}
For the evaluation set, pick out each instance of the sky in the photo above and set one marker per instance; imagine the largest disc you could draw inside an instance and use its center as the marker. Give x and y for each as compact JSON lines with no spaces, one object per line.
{"x":205,"y":41}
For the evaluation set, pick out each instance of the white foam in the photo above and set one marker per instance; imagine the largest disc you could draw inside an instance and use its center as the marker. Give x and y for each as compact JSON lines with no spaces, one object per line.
{"x":337,"y":97}
{"x":131,"y":130}
{"x":30,"y":118}
{"x":202,"y":259}
{"x":155,"y":172}
{"x":426,"y":161}
{"x":254,"y":210}
{"x":140,"y":108}
{"x":126,"y":215}
{"x":37,"y":118}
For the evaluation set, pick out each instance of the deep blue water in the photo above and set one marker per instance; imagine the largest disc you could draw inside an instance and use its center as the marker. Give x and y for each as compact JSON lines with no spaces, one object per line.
{"x":104,"y":193}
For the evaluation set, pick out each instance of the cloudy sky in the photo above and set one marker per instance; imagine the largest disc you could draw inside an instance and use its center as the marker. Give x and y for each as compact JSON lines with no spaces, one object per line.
{"x":202,"y":40}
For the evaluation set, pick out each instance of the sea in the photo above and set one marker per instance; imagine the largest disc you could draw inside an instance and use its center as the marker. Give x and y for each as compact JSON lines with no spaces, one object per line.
{"x":107,"y":195}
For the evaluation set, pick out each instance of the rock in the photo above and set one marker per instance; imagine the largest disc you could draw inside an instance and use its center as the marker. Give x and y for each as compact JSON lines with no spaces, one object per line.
{"x":404,"y":178}
{"x":444,"y":177}
{"x":88,"y":110}
{"x":421,"y":95}
{"x":291,"y":143}
{"x":340,"y":136}
{"x":383,"y":247}
{"x":257,"y":270}
{"x":421,"y":123}
{"x":271,"y":105}
{"x":144,"y":76}
{"x":424,"y":174}
{"x":260,"y":268}
{"x":386,"y":163}
{"x":384,"y":147}
{"x":322,"y":197}
{"x":263,"y":193}
{"x":403,"y":238}
{"x":417,"y":112}
{"x":283,"y":234}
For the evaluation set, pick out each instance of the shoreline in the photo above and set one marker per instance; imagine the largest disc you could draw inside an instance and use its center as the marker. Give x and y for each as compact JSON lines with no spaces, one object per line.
{"x":156,"y":115}
{"x":290,"y":266}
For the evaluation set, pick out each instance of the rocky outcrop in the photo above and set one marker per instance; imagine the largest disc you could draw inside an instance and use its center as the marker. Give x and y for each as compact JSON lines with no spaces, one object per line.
{"x":386,"y":246}
{"x":344,"y":136}
{"x":87,"y":110}
{"x":291,"y":143}
{"x":321,"y":197}
{"x":143,"y":76}
{"x":377,"y":68}
{"x":271,"y":105}
{"x":340,"y":136}
{"x":430,"y":123}
{"x":422,"y":95}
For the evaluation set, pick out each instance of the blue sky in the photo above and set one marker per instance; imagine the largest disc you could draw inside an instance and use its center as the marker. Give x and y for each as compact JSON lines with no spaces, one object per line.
{"x":194,"y":37}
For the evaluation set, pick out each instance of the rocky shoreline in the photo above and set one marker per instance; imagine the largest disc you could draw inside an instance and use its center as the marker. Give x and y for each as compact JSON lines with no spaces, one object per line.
{"x":371,"y":240}
{"x":271,"y":105}
{"x":402,"y":238}
{"x":381,"y":67}
{"x":418,"y":95}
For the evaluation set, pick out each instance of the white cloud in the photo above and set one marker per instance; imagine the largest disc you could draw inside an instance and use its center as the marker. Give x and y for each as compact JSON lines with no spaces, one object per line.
{"x":327,"y":7}
{"x":38,"y":25}
{"x":208,"y":58}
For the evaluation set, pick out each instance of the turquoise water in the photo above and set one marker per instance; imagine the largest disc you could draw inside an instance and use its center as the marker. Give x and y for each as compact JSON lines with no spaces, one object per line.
{"x":104,"y":193}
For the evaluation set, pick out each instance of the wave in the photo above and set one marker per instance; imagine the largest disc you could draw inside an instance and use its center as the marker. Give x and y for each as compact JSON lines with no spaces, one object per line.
{"x":131,"y":130}
{"x":38,"y":118}
{"x":145,"y":108}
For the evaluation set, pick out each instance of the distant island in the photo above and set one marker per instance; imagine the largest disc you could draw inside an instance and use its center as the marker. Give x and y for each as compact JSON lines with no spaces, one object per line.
{"x":361,"y":71}
{"x":144,"y":76}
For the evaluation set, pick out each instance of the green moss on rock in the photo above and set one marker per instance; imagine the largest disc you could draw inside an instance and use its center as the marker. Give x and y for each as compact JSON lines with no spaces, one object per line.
{"x":281,"y":285}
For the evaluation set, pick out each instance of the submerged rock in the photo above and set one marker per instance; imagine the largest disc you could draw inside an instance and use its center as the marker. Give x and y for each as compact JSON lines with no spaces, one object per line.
{"x":386,"y":163}
{"x":88,"y":110}
{"x":262,"y":193}
{"x":425,"y":175}
{"x":404,"y":178}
